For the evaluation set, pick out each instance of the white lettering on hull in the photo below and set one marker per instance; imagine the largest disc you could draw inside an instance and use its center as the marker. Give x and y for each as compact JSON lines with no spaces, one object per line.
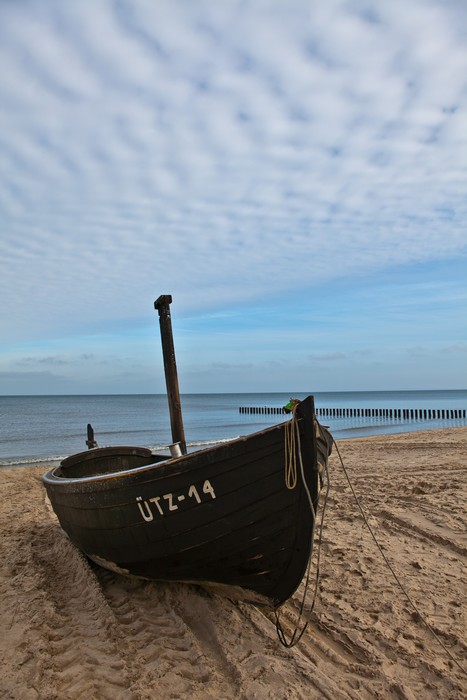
{"x":168,"y":502}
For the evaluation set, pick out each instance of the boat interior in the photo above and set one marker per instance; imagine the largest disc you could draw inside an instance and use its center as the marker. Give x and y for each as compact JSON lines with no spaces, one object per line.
{"x":107,"y":460}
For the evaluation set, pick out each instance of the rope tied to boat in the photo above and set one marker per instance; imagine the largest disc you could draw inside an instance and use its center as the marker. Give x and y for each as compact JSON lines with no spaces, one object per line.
{"x":298,"y":633}
{"x":420,"y":616}
{"x":302,"y":621}
{"x":290,"y":433}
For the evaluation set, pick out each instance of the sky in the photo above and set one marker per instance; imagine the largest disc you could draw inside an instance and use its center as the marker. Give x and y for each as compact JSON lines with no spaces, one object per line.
{"x":293,"y":173}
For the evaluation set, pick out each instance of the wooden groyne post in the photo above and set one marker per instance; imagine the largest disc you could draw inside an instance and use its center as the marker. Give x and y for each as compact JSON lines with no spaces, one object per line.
{"x":395,"y":413}
{"x":263,"y":410}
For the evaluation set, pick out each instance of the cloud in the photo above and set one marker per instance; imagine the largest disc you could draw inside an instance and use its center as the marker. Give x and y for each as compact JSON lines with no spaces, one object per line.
{"x":330,"y":357}
{"x":455,"y":349}
{"x":52,"y":361}
{"x":225,"y":153}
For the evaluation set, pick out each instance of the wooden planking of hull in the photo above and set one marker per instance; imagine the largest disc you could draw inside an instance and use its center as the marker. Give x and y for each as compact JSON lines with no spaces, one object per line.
{"x":222,"y":517}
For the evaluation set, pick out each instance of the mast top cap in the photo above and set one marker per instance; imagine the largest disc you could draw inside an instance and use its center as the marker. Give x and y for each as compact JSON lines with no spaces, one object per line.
{"x":163,"y":300}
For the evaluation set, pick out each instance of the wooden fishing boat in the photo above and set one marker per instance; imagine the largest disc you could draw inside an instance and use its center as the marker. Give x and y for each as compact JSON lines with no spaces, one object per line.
{"x":238,"y":517}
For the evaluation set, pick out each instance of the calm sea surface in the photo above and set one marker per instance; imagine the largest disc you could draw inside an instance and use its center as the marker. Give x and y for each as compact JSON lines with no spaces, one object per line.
{"x":45,"y":429}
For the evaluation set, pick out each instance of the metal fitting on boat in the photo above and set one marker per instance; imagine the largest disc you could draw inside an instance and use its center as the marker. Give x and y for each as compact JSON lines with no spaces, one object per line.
{"x":175,"y":449}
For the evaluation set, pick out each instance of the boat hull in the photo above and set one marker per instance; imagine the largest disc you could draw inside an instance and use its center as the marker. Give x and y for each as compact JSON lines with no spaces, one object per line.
{"x":222,"y":517}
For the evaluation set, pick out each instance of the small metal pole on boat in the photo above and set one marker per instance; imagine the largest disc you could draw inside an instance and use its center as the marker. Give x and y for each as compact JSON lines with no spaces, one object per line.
{"x":175,"y":450}
{"x":162,"y":305}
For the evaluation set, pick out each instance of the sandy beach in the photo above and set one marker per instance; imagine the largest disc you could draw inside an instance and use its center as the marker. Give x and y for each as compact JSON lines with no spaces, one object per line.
{"x":72,"y":630}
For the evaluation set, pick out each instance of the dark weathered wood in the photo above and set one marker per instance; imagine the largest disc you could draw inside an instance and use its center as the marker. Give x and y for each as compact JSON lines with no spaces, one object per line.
{"x":162,"y":304}
{"x":244,"y":529}
{"x":397,"y":413}
{"x":90,"y":442}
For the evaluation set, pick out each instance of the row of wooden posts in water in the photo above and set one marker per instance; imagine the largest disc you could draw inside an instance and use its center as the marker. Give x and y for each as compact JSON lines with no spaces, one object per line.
{"x":397,"y":413}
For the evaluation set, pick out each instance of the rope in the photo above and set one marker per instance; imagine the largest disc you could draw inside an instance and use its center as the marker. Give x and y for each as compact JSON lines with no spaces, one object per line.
{"x":297,"y":633}
{"x":388,"y":564}
{"x":290,"y":453}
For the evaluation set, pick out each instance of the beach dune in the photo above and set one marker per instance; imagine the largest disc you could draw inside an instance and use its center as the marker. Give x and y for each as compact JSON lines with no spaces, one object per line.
{"x":73,"y":630}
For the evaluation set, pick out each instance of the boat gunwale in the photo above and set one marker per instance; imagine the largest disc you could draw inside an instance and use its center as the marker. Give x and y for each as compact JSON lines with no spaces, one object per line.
{"x":51,"y":477}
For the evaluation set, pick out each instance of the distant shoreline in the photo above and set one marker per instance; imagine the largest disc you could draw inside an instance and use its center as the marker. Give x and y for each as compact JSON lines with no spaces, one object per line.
{"x":49,"y":463}
{"x":42,"y":429}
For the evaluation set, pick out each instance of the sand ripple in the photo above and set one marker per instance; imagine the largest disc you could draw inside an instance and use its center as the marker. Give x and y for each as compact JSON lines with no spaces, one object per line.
{"x":73,"y":630}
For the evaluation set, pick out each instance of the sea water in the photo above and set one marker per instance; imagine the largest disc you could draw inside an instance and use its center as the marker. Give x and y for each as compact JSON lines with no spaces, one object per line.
{"x":45,"y":429}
